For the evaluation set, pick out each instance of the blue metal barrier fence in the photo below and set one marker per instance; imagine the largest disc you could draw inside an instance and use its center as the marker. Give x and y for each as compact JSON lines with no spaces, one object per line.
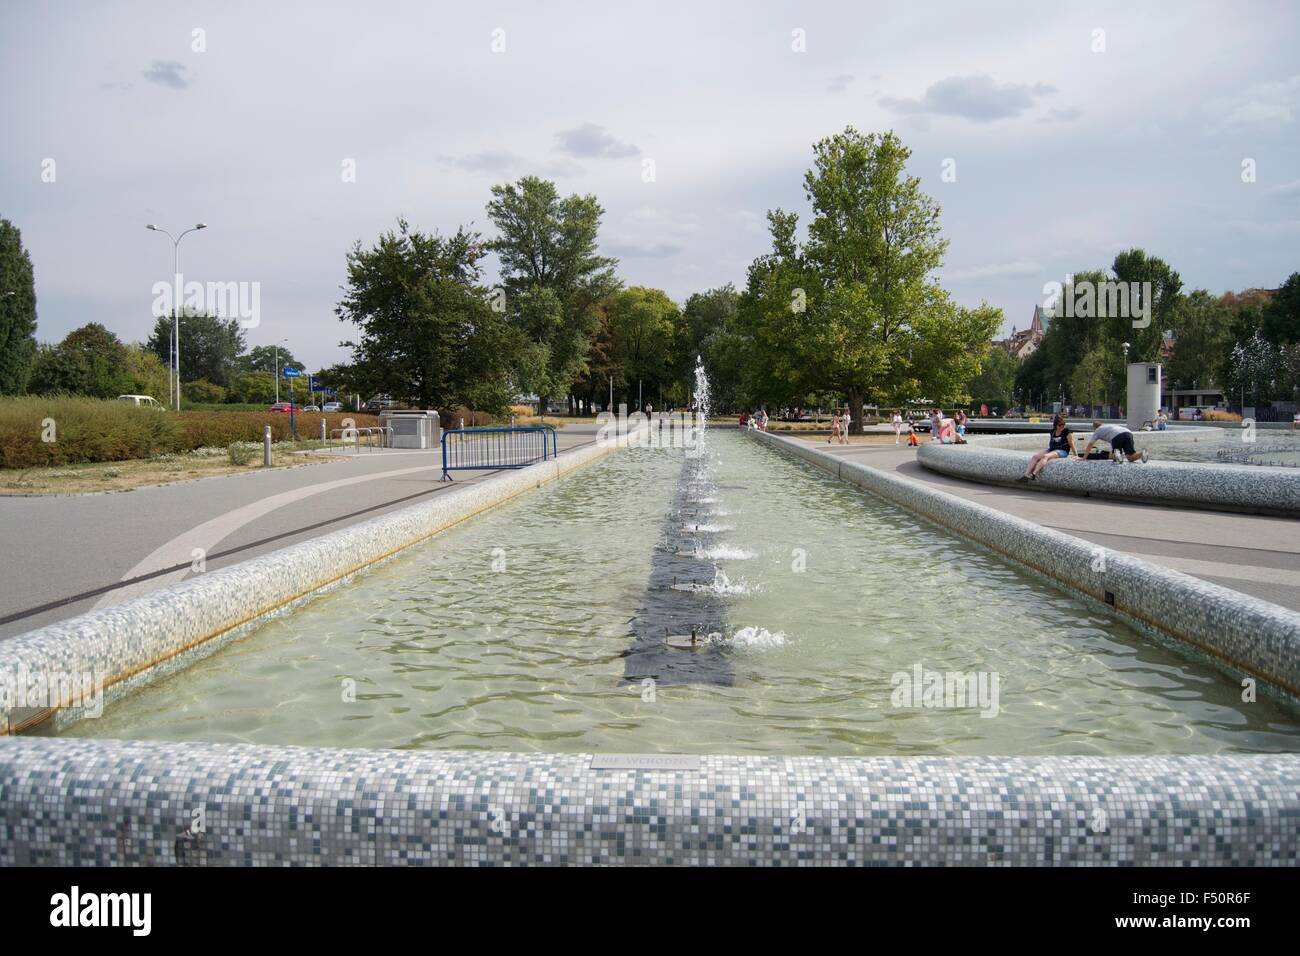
{"x":468,"y":449}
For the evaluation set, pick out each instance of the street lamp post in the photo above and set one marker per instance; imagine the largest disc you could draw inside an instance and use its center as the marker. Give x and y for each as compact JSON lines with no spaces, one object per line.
{"x":277,"y":370}
{"x":176,"y":293}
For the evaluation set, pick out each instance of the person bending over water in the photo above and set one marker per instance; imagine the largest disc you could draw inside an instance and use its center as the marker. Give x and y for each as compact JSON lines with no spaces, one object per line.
{"x":1059,"y":445}
{"x":1120,"y":440}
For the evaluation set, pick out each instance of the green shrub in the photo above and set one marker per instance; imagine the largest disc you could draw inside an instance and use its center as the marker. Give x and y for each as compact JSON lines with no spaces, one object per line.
{"x":202,"y":390}
{"x":91,"y":429}
{"x":81,"y":429}
{"x":219,"y":429}
{"x":240,"y":452}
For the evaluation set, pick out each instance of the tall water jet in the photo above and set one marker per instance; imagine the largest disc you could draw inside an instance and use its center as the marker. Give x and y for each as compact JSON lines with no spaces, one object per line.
{"x":701,"y":407}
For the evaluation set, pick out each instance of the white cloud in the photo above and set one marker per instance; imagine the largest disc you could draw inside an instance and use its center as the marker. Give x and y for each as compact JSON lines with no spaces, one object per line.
{"x":590,"y":141}
{"x":977,"y":98}
{"x":1263,"y":105}
{"x":167,"y":73}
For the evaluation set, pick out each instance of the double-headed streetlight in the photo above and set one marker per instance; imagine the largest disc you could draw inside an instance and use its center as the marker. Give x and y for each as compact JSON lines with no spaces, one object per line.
{"x":175,"y":357}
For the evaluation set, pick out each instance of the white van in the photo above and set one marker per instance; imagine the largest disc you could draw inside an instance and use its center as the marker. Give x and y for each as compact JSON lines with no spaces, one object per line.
{"x":144,"y":400}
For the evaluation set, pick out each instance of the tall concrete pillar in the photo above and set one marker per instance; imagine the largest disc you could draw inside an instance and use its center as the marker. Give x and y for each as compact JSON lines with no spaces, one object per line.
{"x":1143,"y":404}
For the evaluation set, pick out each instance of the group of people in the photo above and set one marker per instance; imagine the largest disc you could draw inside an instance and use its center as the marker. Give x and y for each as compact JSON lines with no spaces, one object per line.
{"x":757,"y":420}
{"x":949,"y":431}
{"x":1060,"y":444}
{"x":840,"y":427}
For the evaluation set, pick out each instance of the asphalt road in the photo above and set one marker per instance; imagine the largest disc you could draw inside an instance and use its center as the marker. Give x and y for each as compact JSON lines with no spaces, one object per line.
{"x":56,"y":550}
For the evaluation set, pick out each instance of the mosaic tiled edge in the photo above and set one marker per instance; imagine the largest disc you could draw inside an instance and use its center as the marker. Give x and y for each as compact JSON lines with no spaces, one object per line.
{"x":119,"y":803}
{"x":154,"y":634}
{"x":1000,"y":460}
{"x":1240,"y":633}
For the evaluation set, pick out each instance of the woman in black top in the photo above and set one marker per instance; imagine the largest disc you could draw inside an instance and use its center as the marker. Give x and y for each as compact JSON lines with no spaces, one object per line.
{"x":1059,"y":445}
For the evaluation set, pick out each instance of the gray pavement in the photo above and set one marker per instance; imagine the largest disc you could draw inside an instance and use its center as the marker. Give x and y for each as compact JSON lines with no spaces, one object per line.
{"x":1254,"y":554}
{"x":57,"y":548}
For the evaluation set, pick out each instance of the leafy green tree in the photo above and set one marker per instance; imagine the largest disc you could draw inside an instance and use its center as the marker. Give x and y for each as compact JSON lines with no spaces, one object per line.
{"x":709,"y":328}
{"x":17,"y":311}
{"x":857,"y":310}
{"x":552,"y":276}
{"x":643,"y":322}
{"x":1256,"y":370}
{"x":601,"y":371}
{"x":203,"y":392}
{"x":147,"y":374}
{"x":1202,"y":329}
{"x":90,"y":361}
{"x":427,"y":331}
{"x":1134,"y":266}
{"x":210,"y":345}
{"x":265,"y":358}
{"x":1281,"y":317}
{"x":995,"y":382}
{"x":1094,"y":377}
{"x":252,"y":388}
{"x":772,"y":314}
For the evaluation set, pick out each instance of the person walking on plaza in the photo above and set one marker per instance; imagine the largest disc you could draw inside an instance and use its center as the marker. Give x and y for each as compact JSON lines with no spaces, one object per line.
{"x":1059,"y":445}
{"x":1120,"y":440}
{"x":898,"y":426}
{"x":835,"y":428}
{"x":844,"y":427}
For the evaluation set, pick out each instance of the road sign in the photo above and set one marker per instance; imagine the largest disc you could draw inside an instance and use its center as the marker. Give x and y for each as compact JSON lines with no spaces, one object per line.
{"x":291,"y":372}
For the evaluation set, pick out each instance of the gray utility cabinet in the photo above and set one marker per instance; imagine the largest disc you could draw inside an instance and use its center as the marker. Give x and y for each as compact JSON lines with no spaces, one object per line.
{"x":411,"y":428}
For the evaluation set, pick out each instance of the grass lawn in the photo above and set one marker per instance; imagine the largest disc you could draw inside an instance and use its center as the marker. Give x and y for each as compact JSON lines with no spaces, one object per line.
{"x":137,"y":473}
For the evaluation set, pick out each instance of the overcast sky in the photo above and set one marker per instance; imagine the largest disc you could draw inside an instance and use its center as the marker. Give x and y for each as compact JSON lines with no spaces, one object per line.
{"x":1063,"y":155}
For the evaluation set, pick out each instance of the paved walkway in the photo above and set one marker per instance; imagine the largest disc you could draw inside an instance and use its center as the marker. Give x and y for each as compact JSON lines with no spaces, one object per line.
{"x":1255,"y":554}
{"x":60,"y":549}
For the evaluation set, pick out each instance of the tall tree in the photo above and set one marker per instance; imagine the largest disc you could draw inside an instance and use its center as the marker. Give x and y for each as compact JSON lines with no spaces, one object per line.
{"x":91,"y":361}
{"x":210,"y":345}
{"x":858,"y":310}
{"x":427,"y":330}
{"x":709,"y":328}
{"x":1202,"y":337}
{"x":995,"y":382}
{"x":1135,"y":267}
{"x":552,"y":275}
{"x":1281,"y":317}
{"x":265,"y":358}
{"x":17,"y":311}
{"x":643,"y":322}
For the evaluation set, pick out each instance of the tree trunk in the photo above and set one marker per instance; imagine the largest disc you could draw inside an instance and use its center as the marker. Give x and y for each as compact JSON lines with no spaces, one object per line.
{"x":855,"y":410}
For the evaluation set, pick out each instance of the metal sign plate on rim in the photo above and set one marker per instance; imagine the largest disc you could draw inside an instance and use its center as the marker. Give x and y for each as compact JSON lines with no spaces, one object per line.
{"x":644,"y":762}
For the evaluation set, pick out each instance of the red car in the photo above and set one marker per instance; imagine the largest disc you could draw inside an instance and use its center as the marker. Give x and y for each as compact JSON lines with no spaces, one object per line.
{"x":281,"y":407}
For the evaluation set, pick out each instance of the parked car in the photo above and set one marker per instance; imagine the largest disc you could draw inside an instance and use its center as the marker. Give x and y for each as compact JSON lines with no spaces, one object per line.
{"x":310,"y":408}
{"x":281,"y":406}
{"x":142,"y":400}
{"x":378,"y":404}
{"x":332,"y":407}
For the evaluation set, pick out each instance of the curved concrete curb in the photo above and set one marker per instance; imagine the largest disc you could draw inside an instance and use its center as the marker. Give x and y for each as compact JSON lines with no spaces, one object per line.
{"x":1241,"y":633}
{"x":129,"y":803}
{"x":143,"y":638}
{"x":1001,"y":460}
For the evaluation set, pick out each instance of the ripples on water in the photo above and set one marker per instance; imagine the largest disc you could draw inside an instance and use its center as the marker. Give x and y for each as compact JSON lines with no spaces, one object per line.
{"x":508,"y":633}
